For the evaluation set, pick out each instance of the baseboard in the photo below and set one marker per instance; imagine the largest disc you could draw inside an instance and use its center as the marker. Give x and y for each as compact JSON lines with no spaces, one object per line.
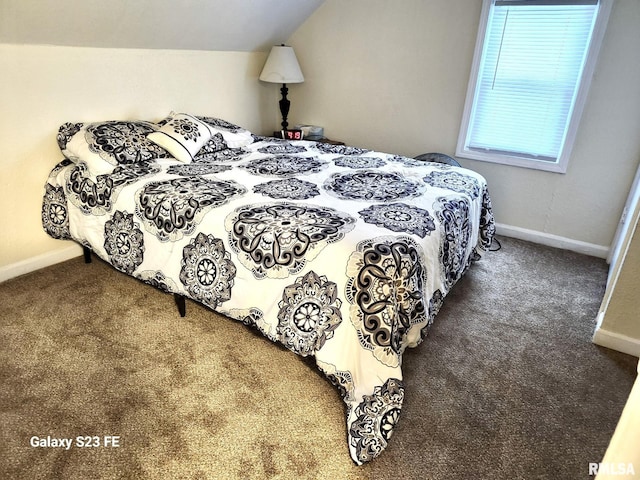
{"x":616,"y":341}
{"x":40,"y":261}
{"x":551,"y":240}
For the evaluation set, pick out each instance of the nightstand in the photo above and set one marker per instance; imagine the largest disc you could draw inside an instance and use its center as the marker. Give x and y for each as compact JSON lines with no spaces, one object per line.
{"x":325,"y":140}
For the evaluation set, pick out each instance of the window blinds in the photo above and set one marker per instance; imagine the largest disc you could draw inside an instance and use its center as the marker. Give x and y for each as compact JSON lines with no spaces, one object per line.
{"x":532,"y":61}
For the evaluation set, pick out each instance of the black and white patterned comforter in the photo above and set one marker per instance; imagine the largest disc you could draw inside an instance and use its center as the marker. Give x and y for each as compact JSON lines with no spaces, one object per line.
{"x":336,"y":252}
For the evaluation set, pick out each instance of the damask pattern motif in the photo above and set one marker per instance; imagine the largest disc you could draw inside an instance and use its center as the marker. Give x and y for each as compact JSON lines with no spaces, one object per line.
{"x":91,"y":197}
{"x":342,"y":379}
{"x":400,"y":217}
{"x":455,"y":181}
{"x":59,"y":167}
{"x":359,"y":162}
{"x":170,"y":209}
{"x":435,"y":304}
{"x":222,"y":124}
{"x":159,"y":280}
{"x":487,"y":223}
{"x":309,"y":313}
{"x":254,"y":317}
{"x":214,"y":145}
{"x":456,"y":233}
{"x":288,"y":188}
{"x":123,"y":142}
{"x":123,"y":242}
{"x":371,"y":185}
{"x":411,"y":162}
{"x":282,"y":148}
{"x":276,"y":240}
{"x":385,"y":289}
{"x":376,"y":417}
{"x":207,"y":270}
{"x":227,"y":155}
{"x":96,"y":197}
{"x":339,"y":149}
{"x":284,"y":165}
{"x":55,"y":217}
{"x":186,"y":128}
{"x":250,"y":316}
{"x":127,"y":174}
{"x":197,"y":169}
{"x":65,"y":132}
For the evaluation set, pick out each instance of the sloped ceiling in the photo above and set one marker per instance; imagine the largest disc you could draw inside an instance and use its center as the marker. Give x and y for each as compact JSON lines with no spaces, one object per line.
{"x":231,"y":25}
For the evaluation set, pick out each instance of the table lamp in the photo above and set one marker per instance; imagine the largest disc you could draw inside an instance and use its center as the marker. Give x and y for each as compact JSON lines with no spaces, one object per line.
{"x":282,"y":67}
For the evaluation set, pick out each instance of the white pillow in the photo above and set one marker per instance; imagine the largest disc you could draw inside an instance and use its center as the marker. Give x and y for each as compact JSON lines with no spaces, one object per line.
{"x":183,"y":135}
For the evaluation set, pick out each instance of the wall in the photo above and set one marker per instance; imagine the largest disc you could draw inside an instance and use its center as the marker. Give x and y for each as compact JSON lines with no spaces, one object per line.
{"x":44,"y":86}
{"x":393,"y":76}
{"x":210,"y":25}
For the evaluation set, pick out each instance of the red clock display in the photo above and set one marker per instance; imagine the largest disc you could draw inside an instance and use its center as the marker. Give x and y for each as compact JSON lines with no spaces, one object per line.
{"x":292,"y":134}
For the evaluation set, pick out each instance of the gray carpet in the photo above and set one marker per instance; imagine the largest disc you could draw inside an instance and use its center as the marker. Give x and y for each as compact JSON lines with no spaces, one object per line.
{"x":507,"y":385}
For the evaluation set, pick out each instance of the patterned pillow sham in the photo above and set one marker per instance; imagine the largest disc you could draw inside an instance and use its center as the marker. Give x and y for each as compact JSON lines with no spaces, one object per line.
{"x":182,"y":135}
{"x":214,"y":145}
{"x":115,"y":142}
{"x":232,"y":136}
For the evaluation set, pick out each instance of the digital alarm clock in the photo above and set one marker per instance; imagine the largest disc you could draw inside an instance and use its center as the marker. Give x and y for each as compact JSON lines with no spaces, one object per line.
{"x":292,"y":134}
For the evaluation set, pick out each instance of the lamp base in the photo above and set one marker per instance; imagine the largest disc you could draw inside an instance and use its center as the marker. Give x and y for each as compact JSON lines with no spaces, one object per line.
{"x":284,"y":106}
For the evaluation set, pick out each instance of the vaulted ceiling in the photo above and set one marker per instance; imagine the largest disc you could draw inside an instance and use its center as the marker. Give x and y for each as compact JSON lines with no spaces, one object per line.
{"x":231,"y":25}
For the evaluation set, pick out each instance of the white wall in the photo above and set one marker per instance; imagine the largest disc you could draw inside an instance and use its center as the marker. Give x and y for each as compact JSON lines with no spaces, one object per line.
{"x":44,"y":86}
{"x":210,"y":25}
{"x":393,"y":76}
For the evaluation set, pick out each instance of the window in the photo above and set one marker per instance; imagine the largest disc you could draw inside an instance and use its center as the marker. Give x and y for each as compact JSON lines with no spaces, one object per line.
{"x":530,"y":75}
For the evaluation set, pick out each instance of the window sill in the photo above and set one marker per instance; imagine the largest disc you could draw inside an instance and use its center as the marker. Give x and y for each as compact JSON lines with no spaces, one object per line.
{"x":513,"y":161}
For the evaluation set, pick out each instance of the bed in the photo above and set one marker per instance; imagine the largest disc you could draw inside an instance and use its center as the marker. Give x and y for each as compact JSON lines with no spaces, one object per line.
{"x":339,"y":253}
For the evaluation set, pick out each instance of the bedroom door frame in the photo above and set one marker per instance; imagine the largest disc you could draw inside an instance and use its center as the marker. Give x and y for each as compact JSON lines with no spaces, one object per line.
{"x":626,"y":219}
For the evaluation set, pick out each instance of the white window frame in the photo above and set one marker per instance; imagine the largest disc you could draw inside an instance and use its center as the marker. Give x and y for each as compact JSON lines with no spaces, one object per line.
{"x":561,"y":163}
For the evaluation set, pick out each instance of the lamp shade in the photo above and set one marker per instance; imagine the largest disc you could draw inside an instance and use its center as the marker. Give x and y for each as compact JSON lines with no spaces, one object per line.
{"x":282,"y":66}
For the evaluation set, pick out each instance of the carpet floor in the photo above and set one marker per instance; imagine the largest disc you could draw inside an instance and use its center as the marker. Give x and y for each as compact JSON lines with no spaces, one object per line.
{"x":506,"y":386}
